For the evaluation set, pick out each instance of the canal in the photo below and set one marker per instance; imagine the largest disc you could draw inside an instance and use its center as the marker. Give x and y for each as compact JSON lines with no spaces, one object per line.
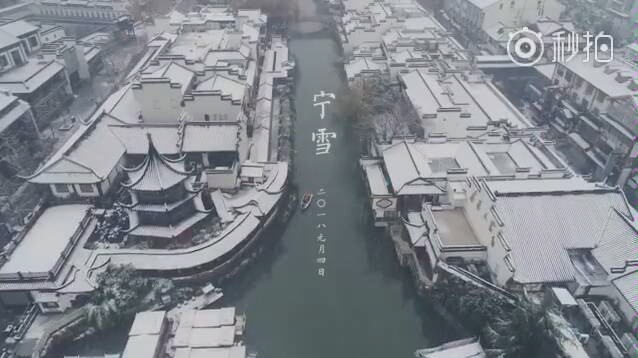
{"x":366,"y":305}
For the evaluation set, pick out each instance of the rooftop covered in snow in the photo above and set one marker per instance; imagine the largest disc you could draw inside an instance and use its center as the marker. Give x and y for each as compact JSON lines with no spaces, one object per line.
{"x":29,"y":77}
{"x":451,"y":103}
{"x":557,"y":234}
{"x":422,"y":167}
{"x":49,"y":239}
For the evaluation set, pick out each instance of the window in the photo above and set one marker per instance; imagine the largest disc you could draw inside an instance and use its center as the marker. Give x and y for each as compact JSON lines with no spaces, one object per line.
{"x":590,"y":89}
{"x":578,"y":82}
{"x":478,"y":205}
{"x":512,"y":4}
{"x":207,"y":117}
{"x":17,"y":59}
{"x":62,"y":188}
{"x":500,"y":7}
{"x":3,"y":61}
{"x":492,"y":241}
{"x":86,"y":188}
{"x":33,"y":41}
{"x":585,"y":103}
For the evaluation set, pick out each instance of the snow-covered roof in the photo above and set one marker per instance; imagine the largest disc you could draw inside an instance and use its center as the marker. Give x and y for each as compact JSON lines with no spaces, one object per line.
{"x":361,"y":65}
{"x":194,"y":46}
{"x":29,"y":77}
{"x":175,"y":72}
{"x":482,"y":4}
{"x":156,"y":172}
{"x":7,"y":40}
{"x":206,"y":328}
{"x":613,"y":251}
{"x":14,"y":113}
{"x":541,"y":226}
{"x":149,"y":322}
{"x":227,"y":87}
{"x":416,"y":166}
{"x":564,"y":297}
{"x":223,"y":58}
{"x":200,"y":137}
{"x":253,"y":15}
{"x":626,"y":285}
{"x":176,"y":17}
{"x":90,"y":52}
{"x":165,"y":138}
{"x":19,"y":28}
{"x":604,"y":77}
{"x":142,"y":346}
{"x":208,"y":318}
{"x":168,"y":232}
{"x":250,"y":32}
{"x":431,"y":94}
{"x":44,"y":242}
{"x":260,"y":151}
{"x":276,"y":62}
{"x":252,"y":170}
{"x":76,"y":162}
{"x":375,"y":177}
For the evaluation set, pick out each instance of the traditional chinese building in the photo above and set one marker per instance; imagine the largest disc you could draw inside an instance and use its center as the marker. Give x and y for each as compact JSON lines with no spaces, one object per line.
{"x":166,"y":198}
{"x":402,"y":175}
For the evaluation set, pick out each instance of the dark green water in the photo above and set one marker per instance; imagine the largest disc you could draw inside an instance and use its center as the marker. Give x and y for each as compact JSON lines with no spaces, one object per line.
{"x":366,"y":305}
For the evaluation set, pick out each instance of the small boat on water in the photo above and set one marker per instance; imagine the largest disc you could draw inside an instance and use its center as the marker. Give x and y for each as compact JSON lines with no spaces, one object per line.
{"x":306,"y":200}
{"x":210,"y":294}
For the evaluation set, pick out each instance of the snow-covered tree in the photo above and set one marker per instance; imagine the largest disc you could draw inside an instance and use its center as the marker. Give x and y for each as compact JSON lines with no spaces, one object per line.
{"x":119,"y":293}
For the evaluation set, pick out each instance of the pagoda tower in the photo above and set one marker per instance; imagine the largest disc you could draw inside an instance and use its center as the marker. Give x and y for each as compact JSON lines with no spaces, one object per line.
{"x":165,"y":198}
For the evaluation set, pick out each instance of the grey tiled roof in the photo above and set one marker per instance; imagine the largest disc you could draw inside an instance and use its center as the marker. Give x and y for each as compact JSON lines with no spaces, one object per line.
{"x":541,"y":228}
{"x":156,"y":172}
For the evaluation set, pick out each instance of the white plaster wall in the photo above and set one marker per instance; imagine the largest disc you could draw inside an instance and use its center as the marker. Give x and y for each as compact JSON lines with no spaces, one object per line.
{"x":378,"y":211}
{"x":211,"y":105}
{"x":159,"y":104}
{"x":480,"y":219}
